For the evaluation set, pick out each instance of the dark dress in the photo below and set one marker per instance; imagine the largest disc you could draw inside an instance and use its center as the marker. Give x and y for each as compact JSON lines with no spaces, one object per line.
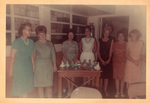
{"x":104,"y":53}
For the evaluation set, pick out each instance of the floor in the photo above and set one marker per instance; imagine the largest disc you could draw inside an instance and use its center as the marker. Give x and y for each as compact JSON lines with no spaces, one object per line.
{"x":111,"y":92}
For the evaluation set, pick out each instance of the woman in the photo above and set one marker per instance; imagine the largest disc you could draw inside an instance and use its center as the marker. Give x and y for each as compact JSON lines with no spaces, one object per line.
{"x":119,"y":61}
{"x":22,"y":62}
{"x":70,"y":48}
{"x":134,"y":58}
{"x":70,"y":53}
{"x":45,"y":63}
{"x":104,"y":54}
{"x":87,"y":46}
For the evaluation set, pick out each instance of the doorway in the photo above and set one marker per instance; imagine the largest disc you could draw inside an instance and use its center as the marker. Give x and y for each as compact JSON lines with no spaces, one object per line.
{"x":116,"y":24}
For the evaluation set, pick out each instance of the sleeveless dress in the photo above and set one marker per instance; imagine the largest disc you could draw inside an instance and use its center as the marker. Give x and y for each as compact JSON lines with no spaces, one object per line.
{"x":104,"y":52}
{"x":119,"y":60}
{"x":87,"y":47}
{"x":132,"y":71}
{"x":23,"y":69}
{"x":44,"y":57}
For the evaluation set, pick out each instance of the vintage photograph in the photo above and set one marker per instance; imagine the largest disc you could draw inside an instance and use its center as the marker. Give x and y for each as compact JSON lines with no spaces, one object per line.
{"x":75,"y":51}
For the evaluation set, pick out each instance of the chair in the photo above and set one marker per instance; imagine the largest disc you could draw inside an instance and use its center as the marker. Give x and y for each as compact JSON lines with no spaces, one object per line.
{"x":85,"y":92}
{"x":137,"y":90}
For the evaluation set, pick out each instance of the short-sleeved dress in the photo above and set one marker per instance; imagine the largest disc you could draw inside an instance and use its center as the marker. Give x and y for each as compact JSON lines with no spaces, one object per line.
{"x":132,"y":71}
{"x":44,"y":57}
{"x":87,"y":47}
{"x":119,"y":60}
{"x":23,"y":68}
{"x":104,"y":53}
{"x":70,"y":49}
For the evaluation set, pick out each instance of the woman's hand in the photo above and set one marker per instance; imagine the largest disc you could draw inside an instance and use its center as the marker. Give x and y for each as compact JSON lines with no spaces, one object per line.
{"x":55,"y":68}
{"x":107,"y":62}
{"x":103,"y":62}
{"x":11,"y":73}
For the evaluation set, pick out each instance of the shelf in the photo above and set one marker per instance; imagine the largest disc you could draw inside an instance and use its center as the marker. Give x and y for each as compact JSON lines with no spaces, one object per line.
{"x":8,"y":23}
{"x":79,"y":19}
{"x":19,"y":21}
{"x":8,"y":39}
{"x":59,"y":28}
{"x":60,"y":17}
{"x":26,"y":10}
{"x":59,"y":22}
{"x":58,"y":33}
{"x":79,"y":29}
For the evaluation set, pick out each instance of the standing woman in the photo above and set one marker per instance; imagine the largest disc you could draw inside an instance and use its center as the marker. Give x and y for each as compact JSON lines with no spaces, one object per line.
{"x":45,"y":63}
{"x":70,"y":48}
{"x":70,"y":53}
{"x":134,"y":58}
{"x":119,"y":62}
{"x":22,"y":62}
{"x":87,"y":46}
{"x":104,"y":54}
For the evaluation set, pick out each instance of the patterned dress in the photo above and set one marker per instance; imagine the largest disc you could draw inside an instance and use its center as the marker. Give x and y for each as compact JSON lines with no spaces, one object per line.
{"x":132,"y":71}
{"x":23,"y":69}
{"x":119,"y":60}
{"x":44,"y":57}
{"x":70,"y":49}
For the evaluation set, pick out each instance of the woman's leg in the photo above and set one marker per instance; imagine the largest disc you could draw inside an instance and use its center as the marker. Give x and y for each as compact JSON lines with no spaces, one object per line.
{"x":117,"y":86}
{"x":101,"y":84}
{"x":48,"y":92}
{"x":105,"y":86}
{"x":122,"y":87}
{"x":41,"y":92}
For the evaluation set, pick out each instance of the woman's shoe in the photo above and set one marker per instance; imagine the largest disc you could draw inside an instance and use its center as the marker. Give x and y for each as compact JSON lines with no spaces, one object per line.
{"x":106,"y":93}
{"x":122,"y":95}
{"x":117,"y":95}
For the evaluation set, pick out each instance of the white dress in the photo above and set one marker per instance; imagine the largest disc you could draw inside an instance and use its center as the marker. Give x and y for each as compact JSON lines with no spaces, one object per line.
{"x":87,"y":47}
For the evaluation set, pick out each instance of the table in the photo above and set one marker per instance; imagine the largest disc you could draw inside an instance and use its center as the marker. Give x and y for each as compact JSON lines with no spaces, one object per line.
{"x":92,"y":74}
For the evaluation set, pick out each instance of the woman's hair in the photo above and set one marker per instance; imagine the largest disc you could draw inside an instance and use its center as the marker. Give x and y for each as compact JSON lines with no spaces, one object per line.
{"x":71,"y":30}
{"x":135,"y":31}
{"x":41,"y":29}
{"x":22,"y":26}
{"x":106,"y":29}
{"x":124,"y":34}
{"x":88,"y":27}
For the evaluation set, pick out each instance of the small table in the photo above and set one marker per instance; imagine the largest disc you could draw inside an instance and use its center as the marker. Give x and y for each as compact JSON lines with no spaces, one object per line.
{"x":92,"y":74}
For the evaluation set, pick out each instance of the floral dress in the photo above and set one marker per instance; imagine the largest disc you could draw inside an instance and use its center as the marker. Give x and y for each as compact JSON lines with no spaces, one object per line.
{"x":119,"y":60}
{"x":70,"y":49}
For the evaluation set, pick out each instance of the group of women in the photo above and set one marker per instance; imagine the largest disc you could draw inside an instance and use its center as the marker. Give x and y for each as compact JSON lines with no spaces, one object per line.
{"x":33,"y":64}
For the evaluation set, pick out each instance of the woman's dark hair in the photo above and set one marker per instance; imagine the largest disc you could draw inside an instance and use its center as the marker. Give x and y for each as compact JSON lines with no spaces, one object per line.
{"x":22,"y":26}
{"x":88,"y":27}
{"x":124,"y":31}
{"x":72,"y":31}
{"x":41,"y":29}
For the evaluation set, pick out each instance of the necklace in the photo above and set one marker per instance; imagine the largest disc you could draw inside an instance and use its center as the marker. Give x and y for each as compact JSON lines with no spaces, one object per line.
{"x":88,"y":40}
{"x":26,"y":42}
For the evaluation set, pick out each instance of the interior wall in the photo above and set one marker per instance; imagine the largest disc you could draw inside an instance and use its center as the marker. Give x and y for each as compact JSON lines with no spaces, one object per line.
{"x":137,"y":18}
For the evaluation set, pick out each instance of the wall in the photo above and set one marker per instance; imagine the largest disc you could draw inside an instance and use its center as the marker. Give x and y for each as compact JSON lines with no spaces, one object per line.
{"x":137,"y":18}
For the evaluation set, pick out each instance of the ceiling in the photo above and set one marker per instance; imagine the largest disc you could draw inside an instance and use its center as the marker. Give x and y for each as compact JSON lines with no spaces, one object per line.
{"x":87,"y":10}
